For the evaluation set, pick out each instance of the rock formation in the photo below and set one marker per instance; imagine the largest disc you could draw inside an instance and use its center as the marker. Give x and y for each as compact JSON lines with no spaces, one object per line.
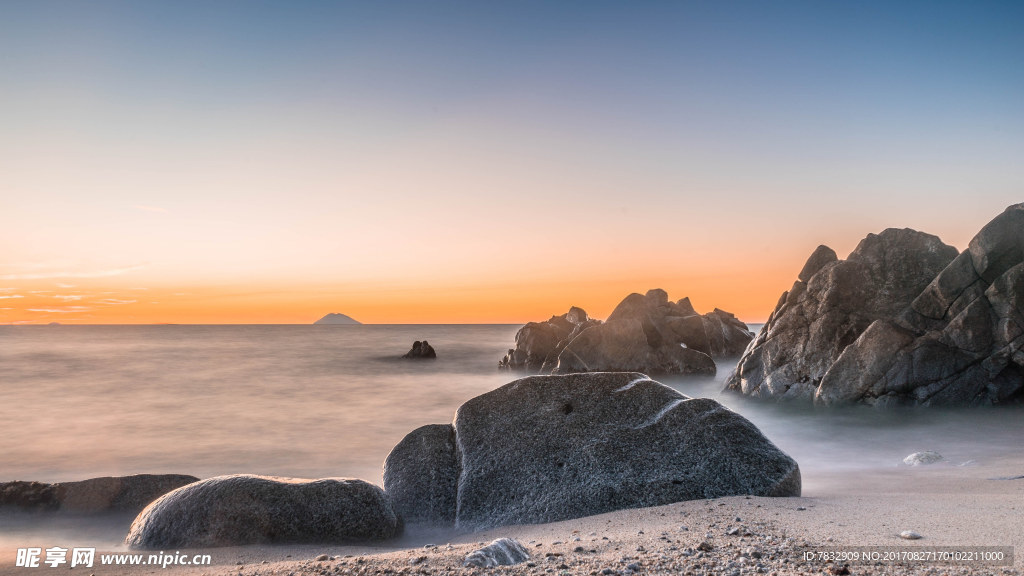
{"x":548,"y":448}
{"x":421,"y":351}
{"x":646,"y":333}
{"x":909,"y":322}
{"x":243,"y":509}
{"x":96,"y":495}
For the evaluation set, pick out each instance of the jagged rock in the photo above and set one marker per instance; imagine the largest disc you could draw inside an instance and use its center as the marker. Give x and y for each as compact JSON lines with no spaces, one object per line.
{"x":421,"y":351}
{"x":819,"y":318}
{"x":106,"y":494}
{"x":500,"y":552}
{"x":646,"y":333}
{"x":548,"y":448}
{"x":955,"y":339}
{"x":539,"y":343}
{"x":958,"y":343}
{"x":428,"y":495}
{"x":243,"y":509}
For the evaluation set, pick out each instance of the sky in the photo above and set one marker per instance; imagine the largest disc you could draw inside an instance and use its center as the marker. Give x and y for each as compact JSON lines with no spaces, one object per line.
{"x":482,"y":162}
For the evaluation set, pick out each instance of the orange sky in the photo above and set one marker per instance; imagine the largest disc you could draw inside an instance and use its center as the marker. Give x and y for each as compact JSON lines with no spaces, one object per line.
{"x":483,"y":162}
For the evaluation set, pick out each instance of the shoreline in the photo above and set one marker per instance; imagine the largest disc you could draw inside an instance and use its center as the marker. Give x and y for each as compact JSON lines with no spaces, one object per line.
{"x":949,"y":506}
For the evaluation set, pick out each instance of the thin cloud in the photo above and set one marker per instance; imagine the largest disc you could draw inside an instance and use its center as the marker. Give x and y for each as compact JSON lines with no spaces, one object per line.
{"x":64,"y":310}
{"x":63,"y":285}
{"x":116,"y":301}
{"x":68,"y":297}
{"x":5,"y":297}
{"x":73,"y":274}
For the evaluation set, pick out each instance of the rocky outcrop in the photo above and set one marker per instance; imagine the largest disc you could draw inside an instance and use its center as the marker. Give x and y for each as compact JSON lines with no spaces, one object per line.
{"x":96,"y":495}
{"x":548,"y":448}
{"x":909,"y":323}
{"x":421,"y":351}
{"x":538,"y":344}
{"x":960,"y":342}
{"x":831,"y":305}
{"x":243,"y":509}
{"x":646,"y":333}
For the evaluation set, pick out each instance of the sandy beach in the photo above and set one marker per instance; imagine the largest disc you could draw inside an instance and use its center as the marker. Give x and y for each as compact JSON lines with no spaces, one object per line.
{"x":951,"y":506}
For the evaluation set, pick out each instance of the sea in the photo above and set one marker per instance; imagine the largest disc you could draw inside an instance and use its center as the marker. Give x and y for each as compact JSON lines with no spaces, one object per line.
{"x":331,"y":401}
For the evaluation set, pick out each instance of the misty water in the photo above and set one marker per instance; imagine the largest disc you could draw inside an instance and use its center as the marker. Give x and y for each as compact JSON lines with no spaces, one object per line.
{"x":331,"y":401}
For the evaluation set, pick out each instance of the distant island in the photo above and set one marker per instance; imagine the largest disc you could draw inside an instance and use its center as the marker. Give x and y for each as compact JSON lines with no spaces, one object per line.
{"x":335,"y":318}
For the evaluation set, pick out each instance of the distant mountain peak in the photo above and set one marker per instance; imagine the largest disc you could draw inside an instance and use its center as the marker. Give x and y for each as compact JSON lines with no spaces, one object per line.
{"x":335,"y":318}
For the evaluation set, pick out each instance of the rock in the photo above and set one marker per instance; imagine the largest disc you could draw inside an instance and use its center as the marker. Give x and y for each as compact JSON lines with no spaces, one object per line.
{"x":910,"y":535}
{"x":244,"y":509}
{"x":548,"y":448}
{"x":646,"y":333}
{"x":501,"y":552}
{"x":335,"y":318}
{"x":822,"y":315}
{"x":96,"y":495}
{"x":421,"y":475}
{"x":540,"y":342}
{"x":923,"y":458}
{"x":421,"y":351}
{"x":821,"y":257}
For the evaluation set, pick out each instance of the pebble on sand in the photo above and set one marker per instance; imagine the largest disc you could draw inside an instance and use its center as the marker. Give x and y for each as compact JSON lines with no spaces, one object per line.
{"x":910,"y":535}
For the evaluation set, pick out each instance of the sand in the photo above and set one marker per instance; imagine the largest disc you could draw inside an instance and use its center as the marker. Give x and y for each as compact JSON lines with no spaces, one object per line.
{"x":949,"y":506}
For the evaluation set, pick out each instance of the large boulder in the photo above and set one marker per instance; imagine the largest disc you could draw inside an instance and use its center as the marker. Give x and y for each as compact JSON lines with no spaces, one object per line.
{"x":831,"y":305}
{"x":96,"y":495}
{"x":428,"y":496}
{"x":548,"y":448}
{"x":244,"y":509}
{"x":960,"y":342}
{"x":646,"y":333}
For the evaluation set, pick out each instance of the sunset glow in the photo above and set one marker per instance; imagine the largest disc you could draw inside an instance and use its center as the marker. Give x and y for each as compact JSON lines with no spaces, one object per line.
{"x":196,"y":162}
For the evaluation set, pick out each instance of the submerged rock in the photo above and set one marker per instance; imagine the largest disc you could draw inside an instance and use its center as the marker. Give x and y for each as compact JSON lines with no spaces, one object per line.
{"x":548,"y":448}
{"x":421,"y":351}
{"x":95,"y":495}
{"x":501,"y":552}
{"x":646,"y":333}
{"x":244,"y":509}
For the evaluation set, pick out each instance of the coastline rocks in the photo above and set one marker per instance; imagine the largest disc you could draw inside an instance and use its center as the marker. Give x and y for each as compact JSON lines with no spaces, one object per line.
{"x":831,"y":306}
{"x":538,"y":344}
{"x":548,"y":448}
{"x":421,"y":351}
{"x":960,"y":342}
{"x":428,"y":495}
{"x":244,"y":509}
{"x":646,"y":333}
{"x":95,"y":495}
{"x":500,"y":552}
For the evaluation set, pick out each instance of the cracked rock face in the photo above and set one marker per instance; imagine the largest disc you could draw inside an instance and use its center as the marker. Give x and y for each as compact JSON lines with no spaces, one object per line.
{"x":892,"y":338}
{"x":831,"y":305}
{"x":549,"y":448}
{"x":645,"y":333}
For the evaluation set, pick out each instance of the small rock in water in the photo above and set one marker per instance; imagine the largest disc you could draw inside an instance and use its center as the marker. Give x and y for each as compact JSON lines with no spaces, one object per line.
{"x":910,"y":535}
{"x":923,"y":458}
{"x":501,"y":552}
